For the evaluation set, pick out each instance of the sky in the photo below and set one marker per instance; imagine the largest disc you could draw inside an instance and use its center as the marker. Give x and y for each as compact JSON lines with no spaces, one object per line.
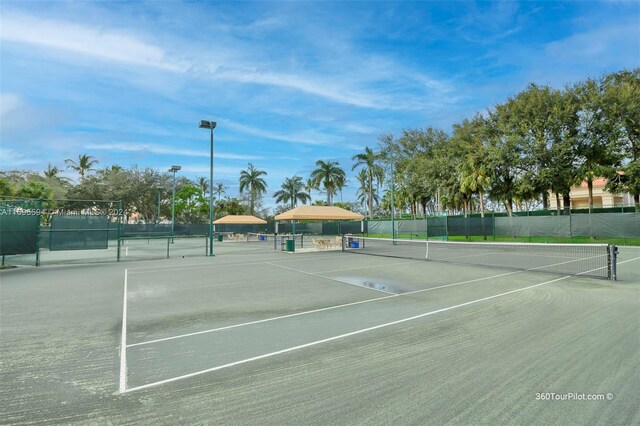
{"x":288,"y":82}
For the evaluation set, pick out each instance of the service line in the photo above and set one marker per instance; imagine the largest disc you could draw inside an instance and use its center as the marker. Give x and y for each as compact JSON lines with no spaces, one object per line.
{"x":341,"y":336}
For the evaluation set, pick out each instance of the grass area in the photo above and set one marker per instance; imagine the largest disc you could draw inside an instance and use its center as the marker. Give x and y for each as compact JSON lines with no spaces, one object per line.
{"x":507,"y":239}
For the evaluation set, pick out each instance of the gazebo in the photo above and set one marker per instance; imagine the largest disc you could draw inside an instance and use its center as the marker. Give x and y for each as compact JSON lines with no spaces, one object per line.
{"x":238,"y":219}
{"x":317,"y":213}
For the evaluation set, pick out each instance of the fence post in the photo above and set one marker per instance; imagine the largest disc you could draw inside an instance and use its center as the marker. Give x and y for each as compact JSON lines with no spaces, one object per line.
{"x":493,"y":231}
{"x":570,"y":228}
{"x":119,"y":215}
{"x":446,"y":227}
{"x":38,"y":233}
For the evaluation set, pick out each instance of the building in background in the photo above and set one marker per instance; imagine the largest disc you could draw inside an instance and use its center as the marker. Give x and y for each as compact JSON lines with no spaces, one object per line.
{"x":601,"y":197}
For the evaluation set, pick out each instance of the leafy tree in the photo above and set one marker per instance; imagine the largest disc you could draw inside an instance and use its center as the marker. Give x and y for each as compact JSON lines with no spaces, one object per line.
{"x":292,"y":191}
{"x":136,"y":188}
{"x":422,"y":164}
{"x":369,"y":161}
{"x":84,"y":164}
{"x":252,"y":181}
{"x":330,"y":176}
{"x":506,"y":148}
{"x":621,"y":101}
{"x":596,"y":129}
{"x":191,"y":204}
{"x":32,"y":189}
{"x":227,"y":206}
{"x":6,"y":189}
{"x":474,"y":178}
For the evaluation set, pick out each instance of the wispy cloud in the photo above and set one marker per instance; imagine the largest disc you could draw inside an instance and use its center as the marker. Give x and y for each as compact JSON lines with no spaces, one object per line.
{"x":309,"y":138}
{"x":101,"y":43}
{"x":128,"y":48}
{"x":598,"y":43}
{"x":307,"y":84}
{"x":9,"y":102}
{"x":162,"y":150}
{"x":10,"y":158}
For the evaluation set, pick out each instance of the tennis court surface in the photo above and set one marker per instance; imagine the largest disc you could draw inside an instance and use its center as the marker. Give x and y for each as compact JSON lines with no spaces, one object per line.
{"x":257,"y":336}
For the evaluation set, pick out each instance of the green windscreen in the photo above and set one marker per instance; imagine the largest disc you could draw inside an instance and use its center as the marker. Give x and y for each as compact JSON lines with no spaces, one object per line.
{"x":81,"y":232}
{"x":18,"y":234}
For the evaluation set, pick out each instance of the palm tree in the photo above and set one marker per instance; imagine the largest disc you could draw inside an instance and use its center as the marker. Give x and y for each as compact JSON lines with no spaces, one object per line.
{"x":84,"y":164}
{"x":203,"y":184}
{"x":474,"y":179}
{"x":292,"y":191}
{"x":219,"y":189}
{"x":363,"y":191}
{"x":330,"y":176}
{"x":309,"y":186}
{"x":51,"y":172}
{"x":250,"y":179}
{"x":369,"y":161}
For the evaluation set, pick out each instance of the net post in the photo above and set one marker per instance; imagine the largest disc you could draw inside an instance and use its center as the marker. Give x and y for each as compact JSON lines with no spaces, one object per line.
{"x":614,"y":260}
{"x":343,"y":242}
{"x":167,"y":248}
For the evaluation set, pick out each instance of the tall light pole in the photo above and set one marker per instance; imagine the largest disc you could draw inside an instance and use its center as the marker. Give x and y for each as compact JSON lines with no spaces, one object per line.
{"x":204,"y":124}
{"x":173,"y":169}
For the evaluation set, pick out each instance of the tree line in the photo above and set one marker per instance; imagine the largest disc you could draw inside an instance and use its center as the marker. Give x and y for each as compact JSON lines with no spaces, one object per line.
{"x":539,"y":143}
{"x":147,"y":194}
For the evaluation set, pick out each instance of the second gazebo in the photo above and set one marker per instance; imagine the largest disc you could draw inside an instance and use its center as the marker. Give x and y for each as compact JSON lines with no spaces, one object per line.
{"x":317,"y":213}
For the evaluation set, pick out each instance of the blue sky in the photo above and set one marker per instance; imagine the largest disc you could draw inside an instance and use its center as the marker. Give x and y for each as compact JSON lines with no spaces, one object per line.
{"x":289,"y":83}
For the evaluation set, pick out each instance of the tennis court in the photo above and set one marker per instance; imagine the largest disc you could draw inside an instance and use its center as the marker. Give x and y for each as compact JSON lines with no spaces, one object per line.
{"x":257,"y":336}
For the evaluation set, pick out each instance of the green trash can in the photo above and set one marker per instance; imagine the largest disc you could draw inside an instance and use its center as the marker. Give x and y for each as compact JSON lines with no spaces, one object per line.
{"x":290,"y":245}
{"x":220,"y":237}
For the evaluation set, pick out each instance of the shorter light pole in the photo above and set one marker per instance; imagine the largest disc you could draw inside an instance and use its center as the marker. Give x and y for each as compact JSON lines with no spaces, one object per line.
{"x":173,"y":169}
{"x":393,"y":206}
{"x":160,"y":188}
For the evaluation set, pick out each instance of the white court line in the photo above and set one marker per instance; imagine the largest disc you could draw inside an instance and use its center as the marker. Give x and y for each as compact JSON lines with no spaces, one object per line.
{"x":123,"y":342}
{"x":628,"y":260}
{"x":313,"y":274}
{"x":213,"y":330}
{"x":160,"y":268}
{"x":341,"y":336}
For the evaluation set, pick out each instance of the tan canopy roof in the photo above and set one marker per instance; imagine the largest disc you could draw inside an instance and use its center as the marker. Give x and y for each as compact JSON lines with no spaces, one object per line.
{"x":239,"y":219}
{"x":319,"y":213}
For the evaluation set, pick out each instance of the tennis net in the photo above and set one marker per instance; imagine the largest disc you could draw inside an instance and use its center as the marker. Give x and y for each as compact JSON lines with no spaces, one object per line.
{"x":279,"y":241}
{"x":592,"y":260}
